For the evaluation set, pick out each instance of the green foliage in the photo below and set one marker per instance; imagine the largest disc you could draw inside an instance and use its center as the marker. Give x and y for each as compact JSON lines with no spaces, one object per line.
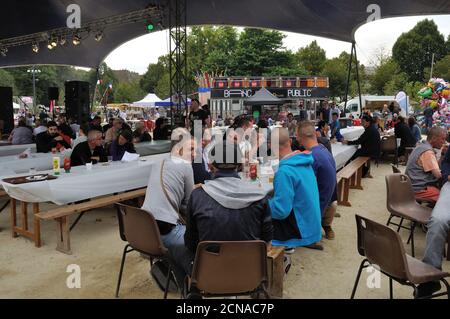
{"x":413,"y":50}
{"x":311,"y":58}
{"x":441,"y":68}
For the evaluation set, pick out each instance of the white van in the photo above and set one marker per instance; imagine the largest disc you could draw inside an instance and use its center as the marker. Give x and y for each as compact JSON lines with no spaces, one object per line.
{"x":372,"y":103}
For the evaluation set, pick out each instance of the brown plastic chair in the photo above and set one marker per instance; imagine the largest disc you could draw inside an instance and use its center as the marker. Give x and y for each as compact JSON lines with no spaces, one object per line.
{"x":140,"y":230}
{"x":382,"y":247}
{"x":389,"y":146}
{"x":401,"y":203}
{"x":229,"y":268}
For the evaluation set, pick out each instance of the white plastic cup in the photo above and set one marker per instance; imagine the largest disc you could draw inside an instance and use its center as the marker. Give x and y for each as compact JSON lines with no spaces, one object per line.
{"x":89,"y":166}
{"x":32,"y":170}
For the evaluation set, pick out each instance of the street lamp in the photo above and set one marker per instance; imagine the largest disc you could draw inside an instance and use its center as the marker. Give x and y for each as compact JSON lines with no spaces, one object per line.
{"x":33,"y":71}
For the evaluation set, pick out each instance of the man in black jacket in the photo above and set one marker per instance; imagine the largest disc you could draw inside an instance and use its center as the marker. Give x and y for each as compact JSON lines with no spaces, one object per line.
{"x":89,"y":151}
{"x":370,"y":140}
{"x":227,"y":208}
{"x":403,"y":132}
{"x":50,"y":140}
{"x":65,"y":128}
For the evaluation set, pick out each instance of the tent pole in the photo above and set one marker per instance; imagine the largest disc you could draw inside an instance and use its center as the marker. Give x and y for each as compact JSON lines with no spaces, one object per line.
{"x":357,"y":77}
{"x":348,"y":76}
{"x":95,"y":88}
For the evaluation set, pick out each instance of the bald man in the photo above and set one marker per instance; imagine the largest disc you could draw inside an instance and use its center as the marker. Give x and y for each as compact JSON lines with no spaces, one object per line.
{"x":325,"y":170}
{"x":295,"y":205}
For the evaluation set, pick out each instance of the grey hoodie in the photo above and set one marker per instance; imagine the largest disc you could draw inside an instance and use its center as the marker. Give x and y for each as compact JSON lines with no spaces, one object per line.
{"x":234,"y":193}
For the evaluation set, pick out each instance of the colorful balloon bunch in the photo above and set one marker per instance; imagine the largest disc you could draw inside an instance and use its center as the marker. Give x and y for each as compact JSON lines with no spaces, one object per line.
{"x":437,"y":95}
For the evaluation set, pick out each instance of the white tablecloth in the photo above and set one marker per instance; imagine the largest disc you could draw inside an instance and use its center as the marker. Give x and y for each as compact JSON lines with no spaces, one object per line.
{"x":342,"y":153}
{"x":153,"y":147}
{"x":38,"y":161}
{"x":352,"y":133}
{"x":80,"y":184}
{"x":16,"y":149}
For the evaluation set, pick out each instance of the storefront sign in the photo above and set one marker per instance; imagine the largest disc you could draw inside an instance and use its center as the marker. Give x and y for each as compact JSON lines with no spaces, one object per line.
{"x":282,"y":93}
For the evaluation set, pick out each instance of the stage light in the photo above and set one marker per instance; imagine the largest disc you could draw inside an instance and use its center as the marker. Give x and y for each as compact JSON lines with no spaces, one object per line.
{"x":62,"y":41}
{"x":150,"y":26}
{"x":3,"y":51}
{"x":98,"y":36}
{"x":35,"y":47}
{"x":54,"y":41}
{"x":76,"y":39}
{"x":49,"y":45}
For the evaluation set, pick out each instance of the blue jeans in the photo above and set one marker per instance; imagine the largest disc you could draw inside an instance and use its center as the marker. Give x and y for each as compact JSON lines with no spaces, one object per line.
{"x":180,"y":256}
{"x":438,"y":227}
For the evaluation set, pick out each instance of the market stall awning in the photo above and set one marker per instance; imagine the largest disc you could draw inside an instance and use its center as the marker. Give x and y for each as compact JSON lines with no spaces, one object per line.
{"x":263,"y":97}
{"x":335,"y":19}
{"x":168,"y":103}
{"x":148,"y":101}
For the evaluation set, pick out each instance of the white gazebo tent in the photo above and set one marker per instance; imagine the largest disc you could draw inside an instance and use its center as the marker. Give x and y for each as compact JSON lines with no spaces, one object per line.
{"x":148,"y":101}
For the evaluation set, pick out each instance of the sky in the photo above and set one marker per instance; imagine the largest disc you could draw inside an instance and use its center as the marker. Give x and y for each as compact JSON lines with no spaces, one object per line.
{"x":371,"y":39}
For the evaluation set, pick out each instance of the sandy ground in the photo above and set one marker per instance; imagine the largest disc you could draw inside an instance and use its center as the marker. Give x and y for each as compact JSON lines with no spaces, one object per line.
{"x":29,"y":272}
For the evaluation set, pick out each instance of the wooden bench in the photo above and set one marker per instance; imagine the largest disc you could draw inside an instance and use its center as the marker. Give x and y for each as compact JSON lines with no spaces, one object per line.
{"x":61,"y":214}
{"x":275,"y":270}
{"x":350,"y":178}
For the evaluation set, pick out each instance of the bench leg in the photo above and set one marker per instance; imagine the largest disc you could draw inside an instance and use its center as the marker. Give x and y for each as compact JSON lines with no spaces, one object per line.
{"x":369,"y":175}
{"x":345,"y":201}
{"x":36,"y":226}
{"x":339,"y":192}
{"x":63,"y":232}
{"x":353,"y":181}
{"x":13,"y":218}
{"x":358,"y":179}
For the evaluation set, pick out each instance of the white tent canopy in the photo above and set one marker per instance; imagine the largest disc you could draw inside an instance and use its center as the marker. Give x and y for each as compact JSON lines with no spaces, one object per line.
{"x":148,"y":101}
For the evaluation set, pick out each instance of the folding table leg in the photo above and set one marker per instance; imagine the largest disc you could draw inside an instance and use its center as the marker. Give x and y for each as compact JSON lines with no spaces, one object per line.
{"x":63,"y":240}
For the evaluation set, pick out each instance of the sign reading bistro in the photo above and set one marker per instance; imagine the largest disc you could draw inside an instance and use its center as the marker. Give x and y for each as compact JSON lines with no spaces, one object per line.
{"x":282,"y":93}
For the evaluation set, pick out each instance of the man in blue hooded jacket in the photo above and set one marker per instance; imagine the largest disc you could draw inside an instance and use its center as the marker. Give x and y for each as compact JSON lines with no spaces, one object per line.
{"x":295,"y":205}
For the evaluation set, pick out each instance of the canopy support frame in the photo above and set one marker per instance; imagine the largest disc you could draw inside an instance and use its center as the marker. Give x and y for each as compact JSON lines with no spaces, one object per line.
{"x":350,"y":64}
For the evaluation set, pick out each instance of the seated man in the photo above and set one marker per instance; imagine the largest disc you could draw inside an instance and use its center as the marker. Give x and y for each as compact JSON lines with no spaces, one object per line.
{"x":123,"y":143}
{"x":336,"y":128}
{"x":22,"y":134}
{"x":50,"y":140}
{"x":89,"y":151}
{"x":295,"y":205}
{"x":170,"y":186}
{"x":226,"y":208}
{"x":423,"y":167}
{"x":438,"y":228}
{"x":370,"y":142}
{"x":325,"y":171}
{"x":403,"y":132}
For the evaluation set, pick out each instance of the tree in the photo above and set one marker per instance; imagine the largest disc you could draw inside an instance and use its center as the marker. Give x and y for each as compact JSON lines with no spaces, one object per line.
{"x":155,"y":72}
{"x":6,"y":79}
{"x":384,"y":73}
{"x":441,"y":68}
{"x":336,"y":71}
{"x":257,"y":52}
{"x":413,"y":50}
{"x":128,"y":92}
{"x":311,"y":58}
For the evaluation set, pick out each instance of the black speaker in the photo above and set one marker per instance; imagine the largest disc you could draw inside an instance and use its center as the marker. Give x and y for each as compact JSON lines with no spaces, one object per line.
{"x":53,"y":93}
{"x":6,"y":110}
{"x":77,"y":101}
